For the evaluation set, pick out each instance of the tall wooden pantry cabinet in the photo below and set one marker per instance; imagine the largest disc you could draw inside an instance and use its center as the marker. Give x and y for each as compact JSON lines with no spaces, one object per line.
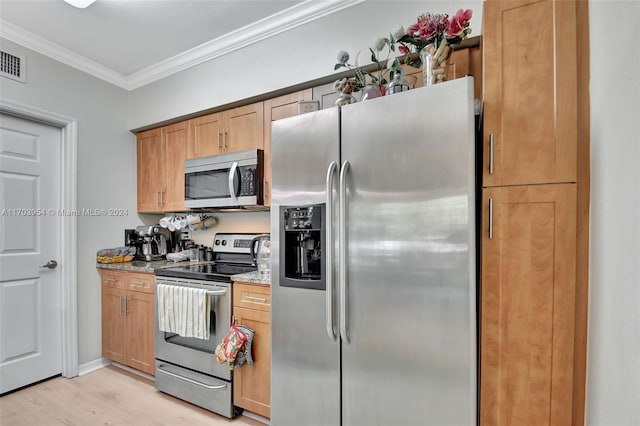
{"x":535,"y":190}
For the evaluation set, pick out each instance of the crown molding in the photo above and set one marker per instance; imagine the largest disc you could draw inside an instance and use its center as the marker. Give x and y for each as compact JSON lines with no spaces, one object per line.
{"x":270,"y":26}
{"x":31,"y":41}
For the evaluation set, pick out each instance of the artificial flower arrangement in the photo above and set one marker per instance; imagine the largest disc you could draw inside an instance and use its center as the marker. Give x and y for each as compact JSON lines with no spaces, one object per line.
{"x":431,"y":30}
{"x":428,"y":32}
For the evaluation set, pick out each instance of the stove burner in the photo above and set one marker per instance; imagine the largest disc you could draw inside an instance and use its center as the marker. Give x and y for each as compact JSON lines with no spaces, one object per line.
{"x":220,"y":272}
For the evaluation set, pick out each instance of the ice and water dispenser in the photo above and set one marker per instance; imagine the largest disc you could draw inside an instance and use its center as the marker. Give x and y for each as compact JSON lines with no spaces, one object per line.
{"x":302,"y":237}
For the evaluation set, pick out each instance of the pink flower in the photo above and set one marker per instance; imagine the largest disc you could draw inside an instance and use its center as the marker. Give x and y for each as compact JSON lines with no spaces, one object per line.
{"x":403,"y":49}
{"x":425,"y":27}
{"x":459,"y":22}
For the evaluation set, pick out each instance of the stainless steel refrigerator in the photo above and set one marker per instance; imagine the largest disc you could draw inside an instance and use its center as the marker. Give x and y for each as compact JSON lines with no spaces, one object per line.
{"x":374,"y":262}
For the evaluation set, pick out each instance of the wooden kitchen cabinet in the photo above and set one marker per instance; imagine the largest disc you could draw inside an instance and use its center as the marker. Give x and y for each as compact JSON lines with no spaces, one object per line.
{"x":160,"y":165}
{"x":530,"y":92}
{"x":175,"y":140}
{"x":276,"y":109}
{"x":528,"y":305}
{"x":243,"y":128}
{"x":128,"y":319}
{"x":150,"y":159}
{"x":205,"y":136}
{"x":535,"y":199}
{"x":113,"y":323}
{"x":236,"y":129}
{"x":252,"y":383}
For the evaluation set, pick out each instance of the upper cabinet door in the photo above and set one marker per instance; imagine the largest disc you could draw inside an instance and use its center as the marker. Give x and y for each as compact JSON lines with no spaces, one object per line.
{"x":243,"y":128}
{"x":150,"y":161}
{"x":530,"y":89}
{"x":205,"y":136}
{"x":175,"y":141}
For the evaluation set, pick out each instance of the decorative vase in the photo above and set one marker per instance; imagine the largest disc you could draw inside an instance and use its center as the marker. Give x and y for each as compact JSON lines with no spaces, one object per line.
{"x":398,"y":84}
{"x":371,"y":91}
{"x":435,"y":59}
{"x":345,"y":99}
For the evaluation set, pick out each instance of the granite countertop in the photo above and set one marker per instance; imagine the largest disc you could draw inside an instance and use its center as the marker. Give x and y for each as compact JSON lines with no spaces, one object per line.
{"x":148,"y":267}
{"x":141,"y":265}
{"x":252,"y":277}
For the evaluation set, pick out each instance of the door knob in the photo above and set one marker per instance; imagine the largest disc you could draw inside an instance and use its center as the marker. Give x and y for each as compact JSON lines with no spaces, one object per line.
{"x":50,"y":264}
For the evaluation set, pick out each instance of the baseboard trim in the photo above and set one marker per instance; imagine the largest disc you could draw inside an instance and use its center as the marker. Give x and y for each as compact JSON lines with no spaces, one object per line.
{"x":133,"y":371}
{"x":91,"y":366}
{"x":256,"y":417}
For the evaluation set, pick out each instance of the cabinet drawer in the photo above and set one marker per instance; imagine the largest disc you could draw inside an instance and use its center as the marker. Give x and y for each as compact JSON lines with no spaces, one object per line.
{"x":112,"y":278}
{"x":140,"y":282}
{"x":252,"y":296}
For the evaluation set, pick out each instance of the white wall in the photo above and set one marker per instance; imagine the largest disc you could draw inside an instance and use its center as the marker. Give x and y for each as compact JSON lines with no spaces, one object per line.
{"x":613,"y":361}
{"x":106,"y":167}
{"x":302,"y":54}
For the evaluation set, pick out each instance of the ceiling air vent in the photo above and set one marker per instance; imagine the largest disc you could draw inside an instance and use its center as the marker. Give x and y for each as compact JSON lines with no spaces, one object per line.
{"x":12,"y":66}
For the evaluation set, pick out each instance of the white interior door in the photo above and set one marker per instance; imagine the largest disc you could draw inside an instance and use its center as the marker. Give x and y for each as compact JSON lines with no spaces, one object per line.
{"x":30,"y":231}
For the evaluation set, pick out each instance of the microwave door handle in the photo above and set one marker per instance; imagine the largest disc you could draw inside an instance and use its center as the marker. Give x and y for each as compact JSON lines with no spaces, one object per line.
{"x":232,"y":180}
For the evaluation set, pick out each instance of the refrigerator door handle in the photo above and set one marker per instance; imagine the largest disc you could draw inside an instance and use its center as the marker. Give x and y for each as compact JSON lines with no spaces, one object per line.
{"x":330,"y":298}
{"x":342,"y":241}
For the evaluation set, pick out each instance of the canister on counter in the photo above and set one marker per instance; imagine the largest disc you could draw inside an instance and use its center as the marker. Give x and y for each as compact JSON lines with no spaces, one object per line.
{"x":208,"y":254}
{"x":193,"y":253}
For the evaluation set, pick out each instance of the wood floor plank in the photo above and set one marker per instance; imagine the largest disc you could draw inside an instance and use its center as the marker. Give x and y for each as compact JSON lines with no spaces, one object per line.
{"x":108,"y":397}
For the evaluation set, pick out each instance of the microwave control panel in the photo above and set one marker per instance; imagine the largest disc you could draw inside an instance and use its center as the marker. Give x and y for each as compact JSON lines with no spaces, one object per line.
{"x":247,"y":181}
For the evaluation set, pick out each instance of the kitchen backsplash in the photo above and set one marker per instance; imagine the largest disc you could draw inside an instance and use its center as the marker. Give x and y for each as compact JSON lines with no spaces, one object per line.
{"x":251,"y":222}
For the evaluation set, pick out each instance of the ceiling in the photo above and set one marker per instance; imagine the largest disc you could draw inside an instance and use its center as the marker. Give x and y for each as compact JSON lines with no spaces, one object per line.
{"x":134,"y":42}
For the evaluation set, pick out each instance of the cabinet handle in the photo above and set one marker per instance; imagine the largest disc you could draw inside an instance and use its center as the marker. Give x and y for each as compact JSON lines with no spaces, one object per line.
{"x":490,"y":218}
{"x":158,"y":196}
{"x":219,"y":146}
{"x":126,"y":307}
{"x":490,"y":153}
{"x":111,"y":280}
{"x":161,"y":196}
{"x":137,"y":282}
{"x":224,"y":139}
{"x":255,"y":299}
{"x":121,"y":310}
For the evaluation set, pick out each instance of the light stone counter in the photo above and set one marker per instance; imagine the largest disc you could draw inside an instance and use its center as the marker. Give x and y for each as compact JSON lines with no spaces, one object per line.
{"x":142,"y":266}
{"x":253,"y":277}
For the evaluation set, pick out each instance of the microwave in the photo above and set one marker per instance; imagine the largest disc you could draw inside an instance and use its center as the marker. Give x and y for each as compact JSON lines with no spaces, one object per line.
{"x":226,"y":180}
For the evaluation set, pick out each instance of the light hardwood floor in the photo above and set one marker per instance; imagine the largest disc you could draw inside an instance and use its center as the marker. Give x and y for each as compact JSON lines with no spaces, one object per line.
{"x":107,"y":397}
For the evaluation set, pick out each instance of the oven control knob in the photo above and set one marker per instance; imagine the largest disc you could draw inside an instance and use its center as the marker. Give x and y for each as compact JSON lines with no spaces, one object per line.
{"x":217,"y":242}
{"x":224,"y":242}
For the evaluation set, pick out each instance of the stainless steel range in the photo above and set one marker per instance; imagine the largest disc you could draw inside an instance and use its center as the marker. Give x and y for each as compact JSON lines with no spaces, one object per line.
{"x":186,"y":367}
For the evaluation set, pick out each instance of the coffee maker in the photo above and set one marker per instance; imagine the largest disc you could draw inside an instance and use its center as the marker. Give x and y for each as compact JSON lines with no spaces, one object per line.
{"x":151,"y":242}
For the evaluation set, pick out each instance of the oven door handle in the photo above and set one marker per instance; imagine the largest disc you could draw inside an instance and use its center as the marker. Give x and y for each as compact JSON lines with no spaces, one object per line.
{"x":194,"y":382}
{"x":216,"y":292}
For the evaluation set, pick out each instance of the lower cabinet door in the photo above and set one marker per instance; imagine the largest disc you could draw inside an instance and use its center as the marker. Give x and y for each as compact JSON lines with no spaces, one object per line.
{"x":252,"y":383}
{"x":528,"y":305}
{"x":139,"y":333}
{"x":113,"y":324}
